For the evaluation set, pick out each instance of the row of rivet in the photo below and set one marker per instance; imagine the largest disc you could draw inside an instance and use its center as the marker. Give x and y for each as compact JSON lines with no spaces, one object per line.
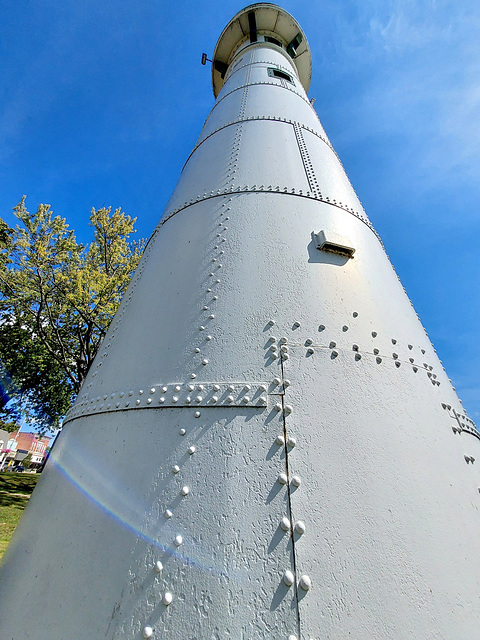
{"x":262,"y":189}
{"x":261,"y":83}
{"x":243,"y":119}
{"x":307,"y":163}
{"x":465,"y":424}
{"x":286,"y":525}
{"x":167,"y":597}
{"x":208,"y":394}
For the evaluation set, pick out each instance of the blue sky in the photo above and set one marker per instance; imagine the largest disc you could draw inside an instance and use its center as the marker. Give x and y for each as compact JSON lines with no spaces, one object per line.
{"x":101,"y":103}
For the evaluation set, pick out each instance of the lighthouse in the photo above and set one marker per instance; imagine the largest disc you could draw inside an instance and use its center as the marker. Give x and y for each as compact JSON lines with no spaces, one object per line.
{"x":267,"y":445}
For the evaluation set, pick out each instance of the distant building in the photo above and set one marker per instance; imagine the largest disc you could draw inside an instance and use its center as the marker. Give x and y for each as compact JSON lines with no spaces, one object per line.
{"x":20,"y":445}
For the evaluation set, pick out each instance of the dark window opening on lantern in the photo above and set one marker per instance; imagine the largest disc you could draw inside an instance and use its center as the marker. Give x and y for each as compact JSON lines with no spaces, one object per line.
{"x":273,"y":40}
{"x":278,"y":73}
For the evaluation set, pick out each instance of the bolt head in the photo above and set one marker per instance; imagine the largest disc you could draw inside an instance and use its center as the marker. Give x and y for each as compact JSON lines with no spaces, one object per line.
{"x":282,"y":478}
{"x":291,"y":442}
{"x":285,"y":524}
{"x":296,"y":481}
{"x":280,"y":440}
{"x":288,"y":578}
{"x":305,"y":583}
{"x":300,"y":527}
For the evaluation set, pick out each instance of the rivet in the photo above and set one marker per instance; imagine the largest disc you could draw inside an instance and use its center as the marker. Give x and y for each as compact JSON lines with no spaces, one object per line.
{"x":288,"y":578}
{"x":276,"y":381}
{"x":164,"y":389}
{"x":282,"y":478}
{"x":376,"y":352}
{"x":167,"y":598}
{"x":191,"y":450}
{"x":374,"y":334}
{"x":174,"y":399}
{"x":168,"y":514}
{"x":178,"y":541}
{"x":182,"y":432}
{"x":333,"y":344}
{"x":321,"y":327}
{"x":296,"y":324}
{"x":161,"y":400}
{"x":292,"y":637}
{"x":140,"y":392}
{"x":355,"y":314}
{"x":231,"y":387}
{"x":193,"y":376}
{"x":209,"y":337}
{"x":136,"y":402}
{"x":300,"y":527}
{"x":271,"y":322}
{"x":280,"y":440}
{"x":310,"y":351}
{"x":158,"y":566}
{"x":262,"y":387}
{"x":288,"y":409}
{"x":147,"y":632}
{"x":284,"y":348}
{"x":209,"y":290}
{"x":305,"y":583}
{"x":215,"y":297}
{"x":121,"y":394}
{"x":202,"y":328}
{"x":178,"y":387}
{"x":285,"y":524}
{"x":344,"y":328}
{"x":216,"y":387}
{"x":211,"y":316}
{"x":185,"y":491}
{"x":283,"y":340}
{"x":229,"y":398}
{"x":199,"y":398}
{"x":149,"y":401}
{"x":291,"y":442}
{"x":130,"y":393}
{"x":152,"y":390}
{"x":117,"y":405}
{"x":176,"y":469}
{"x":296,"y":481}
{"x":308,"y":342}
{"x":197,"y":350}
{"x":190,"y":387}
{"x":205,"y":361}
{"x":278,"y":407}
{"x":197,"y":414}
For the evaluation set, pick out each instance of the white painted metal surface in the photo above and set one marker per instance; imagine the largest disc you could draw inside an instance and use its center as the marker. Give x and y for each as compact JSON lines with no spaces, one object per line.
{"x":267,"y":445}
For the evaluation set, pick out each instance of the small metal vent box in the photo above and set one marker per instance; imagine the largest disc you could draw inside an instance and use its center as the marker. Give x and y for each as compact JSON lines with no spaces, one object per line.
{"x":333,"y":243}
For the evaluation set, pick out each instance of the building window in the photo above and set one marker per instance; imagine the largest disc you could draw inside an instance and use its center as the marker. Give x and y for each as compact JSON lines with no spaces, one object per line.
{"x":278,"y":73}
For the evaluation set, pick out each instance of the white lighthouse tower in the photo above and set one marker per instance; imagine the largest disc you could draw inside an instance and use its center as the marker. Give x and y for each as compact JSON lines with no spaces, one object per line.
{"x":267,"y":446}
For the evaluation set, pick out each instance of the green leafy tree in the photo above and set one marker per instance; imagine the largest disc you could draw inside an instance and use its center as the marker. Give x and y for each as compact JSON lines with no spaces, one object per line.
{"x":57,"y":298}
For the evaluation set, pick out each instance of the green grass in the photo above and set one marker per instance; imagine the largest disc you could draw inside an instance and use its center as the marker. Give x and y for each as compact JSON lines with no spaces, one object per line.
{"x":15,"y":490}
